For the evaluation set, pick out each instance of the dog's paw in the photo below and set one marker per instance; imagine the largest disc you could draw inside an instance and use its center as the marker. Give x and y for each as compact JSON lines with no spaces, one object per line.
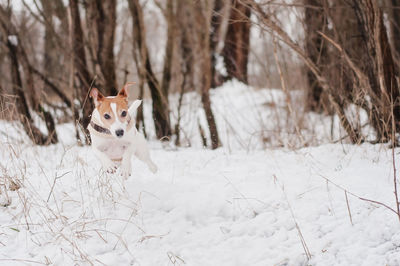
{"x":125,"y":174}
{"x":111,"y":169}
{"x":126,"y":171}
{"x":153,"y":168}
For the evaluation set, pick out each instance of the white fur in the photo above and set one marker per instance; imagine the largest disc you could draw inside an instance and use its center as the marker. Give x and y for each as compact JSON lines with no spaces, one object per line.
{"x":117,"y":125}
{"x":114,"y":109}
{"x":96,"y":116}
{"x":131,"y":143}
{"x":134,"y":106}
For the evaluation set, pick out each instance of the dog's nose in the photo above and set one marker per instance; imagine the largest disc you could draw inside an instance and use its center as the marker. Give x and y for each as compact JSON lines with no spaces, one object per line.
{"x":119,"y":132}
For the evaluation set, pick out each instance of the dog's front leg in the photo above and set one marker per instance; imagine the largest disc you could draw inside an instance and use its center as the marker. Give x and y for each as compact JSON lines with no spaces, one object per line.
{"x":106,"y":163}
{"x":126,"y":164}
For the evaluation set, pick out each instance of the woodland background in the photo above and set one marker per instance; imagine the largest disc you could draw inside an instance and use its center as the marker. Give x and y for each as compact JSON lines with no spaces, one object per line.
{"x":337,"y":53}
{"x":285,"y":88}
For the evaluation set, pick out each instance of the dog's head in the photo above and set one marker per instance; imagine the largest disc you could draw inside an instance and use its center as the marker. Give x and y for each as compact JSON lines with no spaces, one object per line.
{"x":112,"y":111}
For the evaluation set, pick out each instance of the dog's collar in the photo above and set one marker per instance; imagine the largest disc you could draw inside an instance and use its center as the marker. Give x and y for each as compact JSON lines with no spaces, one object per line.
{"x":106,"y":131}
{"x":100,"y":129}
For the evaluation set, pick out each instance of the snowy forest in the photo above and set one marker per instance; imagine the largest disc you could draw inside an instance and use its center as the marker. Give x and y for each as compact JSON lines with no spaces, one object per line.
{"x":199,"y":132}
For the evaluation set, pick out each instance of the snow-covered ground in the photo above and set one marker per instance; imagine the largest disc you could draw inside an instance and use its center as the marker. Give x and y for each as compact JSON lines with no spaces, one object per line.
{"x":243,"y":204}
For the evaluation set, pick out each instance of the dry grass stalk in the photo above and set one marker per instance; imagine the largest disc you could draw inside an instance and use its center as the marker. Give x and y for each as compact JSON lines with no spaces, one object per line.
{"x":348,"y":207}
{"x":303,"y":241}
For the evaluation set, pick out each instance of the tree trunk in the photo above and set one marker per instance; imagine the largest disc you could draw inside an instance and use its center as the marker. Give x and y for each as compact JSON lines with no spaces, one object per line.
{"x":101,"y":20}
{"x":186,"y":59}
{"x":51,"y":64}
{"x":169,"y":49}
{"x":380,"y":69}
{"x":186,"y":44}
{"x":13,"y":44}
{"x":160,"y":104}
{"x":36,"y":104}
{"x":394,"y":19}
{"x":370,"y":72}
{"x":203,"y":22}
{"x":83,"y":79}
{"x":323,"y":80}
{"x":216,"y":23}
{"x":237,"y":41}
{"x":314,"y":20}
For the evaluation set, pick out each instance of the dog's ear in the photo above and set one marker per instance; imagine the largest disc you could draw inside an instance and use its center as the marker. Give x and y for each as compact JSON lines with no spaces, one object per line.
{"x":123,"y":92}
{"x":134,"y":106}
{"x":96,"y":96}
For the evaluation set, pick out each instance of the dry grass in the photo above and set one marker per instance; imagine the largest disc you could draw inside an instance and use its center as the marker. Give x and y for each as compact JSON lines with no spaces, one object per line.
{"x":46,"y":217}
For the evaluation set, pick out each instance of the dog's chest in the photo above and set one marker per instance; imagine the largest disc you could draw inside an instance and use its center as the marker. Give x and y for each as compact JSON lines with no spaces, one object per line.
{"x":114,"y":149}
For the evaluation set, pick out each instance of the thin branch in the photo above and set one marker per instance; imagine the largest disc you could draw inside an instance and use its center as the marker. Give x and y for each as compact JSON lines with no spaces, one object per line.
{"x":52,"y":86}
{"x":356,"y":196}
{"x":348,"y":207}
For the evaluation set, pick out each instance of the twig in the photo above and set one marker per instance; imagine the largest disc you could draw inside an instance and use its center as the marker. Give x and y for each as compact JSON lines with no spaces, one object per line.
{"x":81,"y":111}
{"x":22,"y":260}
{"x":134,"y":211}
{"x":356,"y":196}
{"x":333,"y":98}
{"x":174,"y":258}
{"x":394,"y":166}
{"x":87,"y":94}
{"x":348,"y":207}
{"x":303,"y":241}
{"x":287,"y":93}
{"x":54,"y":183}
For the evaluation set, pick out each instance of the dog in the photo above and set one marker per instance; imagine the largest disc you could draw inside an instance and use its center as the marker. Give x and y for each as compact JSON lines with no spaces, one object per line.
{"x":114,"y":135}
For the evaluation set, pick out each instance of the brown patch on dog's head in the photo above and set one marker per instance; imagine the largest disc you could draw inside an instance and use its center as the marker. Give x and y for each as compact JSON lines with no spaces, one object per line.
{"x":112,"y":109}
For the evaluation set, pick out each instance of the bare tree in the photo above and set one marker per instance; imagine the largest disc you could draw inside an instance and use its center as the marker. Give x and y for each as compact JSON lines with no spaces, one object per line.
{"x":237,"y":41}
{"x":371,"y":73}
{"x":381,"y":70}
{"x":16,"y":53}
{"x":202,"y":14}
{"x":316,"y":48}
{"x":51,"y":63}
{"x":186,"y":58}
{"x":216,"y":36}
{"x":101,"y":21}
{"x":55,"y":49}
{"x":160,"y":104}
{"x":334,"y":100}
{"x":82,"y":75}
{"x":169,"y":48}
{"x":394,"y":19}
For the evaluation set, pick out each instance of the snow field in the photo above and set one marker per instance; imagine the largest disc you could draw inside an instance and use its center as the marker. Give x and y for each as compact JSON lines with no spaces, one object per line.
{"x":256,"y":201}
{"x":202,"y":208}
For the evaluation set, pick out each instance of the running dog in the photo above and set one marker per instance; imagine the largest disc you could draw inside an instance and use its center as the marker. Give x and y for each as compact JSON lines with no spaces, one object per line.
{"x":114,"y":135}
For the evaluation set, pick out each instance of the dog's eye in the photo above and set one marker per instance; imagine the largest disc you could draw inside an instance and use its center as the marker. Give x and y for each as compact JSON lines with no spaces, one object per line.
{"x":107,"y":116}
{"x":123,"y":114}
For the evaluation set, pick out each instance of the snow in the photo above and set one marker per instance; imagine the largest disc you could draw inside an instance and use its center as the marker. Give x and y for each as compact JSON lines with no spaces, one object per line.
{"x":238,"y":205}
{"x":13,"y":39}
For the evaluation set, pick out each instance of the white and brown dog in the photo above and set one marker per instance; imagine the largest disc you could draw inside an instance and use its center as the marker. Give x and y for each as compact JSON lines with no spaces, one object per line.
{"x":114,"y":135}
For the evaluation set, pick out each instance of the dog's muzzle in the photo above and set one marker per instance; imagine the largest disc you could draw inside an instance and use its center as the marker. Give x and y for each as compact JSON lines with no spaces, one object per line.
{"x":119,"y":133}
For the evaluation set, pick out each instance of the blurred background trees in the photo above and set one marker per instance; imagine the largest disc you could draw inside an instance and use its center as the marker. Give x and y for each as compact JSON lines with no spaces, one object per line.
{"x":338,"y":53}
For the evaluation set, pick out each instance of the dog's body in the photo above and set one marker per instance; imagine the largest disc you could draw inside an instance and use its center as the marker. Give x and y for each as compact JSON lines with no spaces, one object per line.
{"x":114,"y":135}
